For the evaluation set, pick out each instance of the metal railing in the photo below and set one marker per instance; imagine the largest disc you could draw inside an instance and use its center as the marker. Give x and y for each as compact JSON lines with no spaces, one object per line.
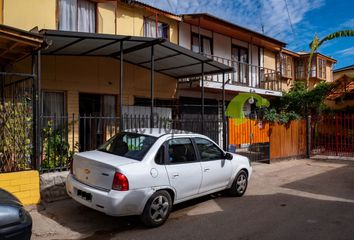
{"x":244,"y":74}
{"x":62,"y":136}
{"x":333,"y":134}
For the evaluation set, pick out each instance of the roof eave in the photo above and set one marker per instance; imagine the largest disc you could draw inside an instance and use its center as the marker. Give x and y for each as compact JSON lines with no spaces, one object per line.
{"x":265,"y":37}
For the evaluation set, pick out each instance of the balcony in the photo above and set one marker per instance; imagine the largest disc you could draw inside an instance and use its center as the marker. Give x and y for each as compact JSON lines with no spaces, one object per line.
{"x":245,"y":78}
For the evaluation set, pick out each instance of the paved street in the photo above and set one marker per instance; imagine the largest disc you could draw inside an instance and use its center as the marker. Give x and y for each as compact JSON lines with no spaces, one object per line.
{"x":297,"y":199}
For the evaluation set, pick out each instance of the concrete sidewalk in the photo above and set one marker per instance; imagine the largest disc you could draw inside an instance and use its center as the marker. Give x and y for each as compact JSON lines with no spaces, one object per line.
{"x":294,"y":184}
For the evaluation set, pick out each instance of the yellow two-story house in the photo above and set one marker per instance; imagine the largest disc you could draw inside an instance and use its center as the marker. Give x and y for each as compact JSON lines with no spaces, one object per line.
{"x":80,"y":79}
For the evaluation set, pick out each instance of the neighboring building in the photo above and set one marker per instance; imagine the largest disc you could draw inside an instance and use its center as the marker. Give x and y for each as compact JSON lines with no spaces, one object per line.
{"x":295,"y":64}
{"x":251,"y":54}
{"x":340,"y":72}
{"x":342,"y":96}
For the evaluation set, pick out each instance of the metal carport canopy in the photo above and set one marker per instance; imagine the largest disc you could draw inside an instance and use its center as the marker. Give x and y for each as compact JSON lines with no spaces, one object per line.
{"x":170,"y":59}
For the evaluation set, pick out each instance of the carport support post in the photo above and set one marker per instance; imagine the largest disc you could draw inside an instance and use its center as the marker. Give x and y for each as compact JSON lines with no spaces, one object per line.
{"x":39,"y":104}
{"x":121,"y":87}
{"x":202,"y":96}
{"x":2,"y":78}
{"x":224,"y":141}
{"x":152,"y":82}
{"x":34,"y":113}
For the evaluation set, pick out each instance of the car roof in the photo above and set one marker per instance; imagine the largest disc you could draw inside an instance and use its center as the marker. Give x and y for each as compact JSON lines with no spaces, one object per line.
{"x":158,"y":132}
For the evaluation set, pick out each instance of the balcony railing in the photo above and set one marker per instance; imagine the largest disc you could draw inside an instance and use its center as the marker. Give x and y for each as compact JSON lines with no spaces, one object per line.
{"x":246,"y":75}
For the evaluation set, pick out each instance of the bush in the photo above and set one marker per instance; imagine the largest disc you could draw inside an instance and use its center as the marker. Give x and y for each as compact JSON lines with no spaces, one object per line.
{"x":56,"y":152}
{"x":15,"y":137}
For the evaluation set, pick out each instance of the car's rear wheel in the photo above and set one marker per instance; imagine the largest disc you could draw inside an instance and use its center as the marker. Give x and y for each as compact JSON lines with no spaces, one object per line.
{"x":239,"y":186}
{"x":157,"y":209}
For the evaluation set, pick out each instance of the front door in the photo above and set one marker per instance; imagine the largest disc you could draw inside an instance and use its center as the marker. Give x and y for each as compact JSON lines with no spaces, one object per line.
{"x":215,"y":169}
{"x":96,"y":111}
{"x":183,"y":167}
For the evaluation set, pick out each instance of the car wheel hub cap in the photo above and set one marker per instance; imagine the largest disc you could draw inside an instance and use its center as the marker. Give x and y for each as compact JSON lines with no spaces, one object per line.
{"x":159,"y":208}
{"x":241,"y":183}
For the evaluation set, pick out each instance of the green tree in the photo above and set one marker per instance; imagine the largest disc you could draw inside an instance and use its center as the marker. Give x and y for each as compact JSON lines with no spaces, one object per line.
{"x":316,"y":44}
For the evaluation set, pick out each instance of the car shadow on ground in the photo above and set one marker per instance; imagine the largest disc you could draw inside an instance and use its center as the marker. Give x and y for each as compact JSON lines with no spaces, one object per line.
{"x":87,"y":221}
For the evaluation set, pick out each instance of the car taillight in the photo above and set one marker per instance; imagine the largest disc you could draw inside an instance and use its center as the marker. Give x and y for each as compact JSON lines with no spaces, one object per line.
{"x":120,"y":182}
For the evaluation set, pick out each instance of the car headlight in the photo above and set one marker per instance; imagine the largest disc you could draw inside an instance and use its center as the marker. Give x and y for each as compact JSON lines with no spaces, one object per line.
{"x":22,"y":215}
{"x":249,"y":161}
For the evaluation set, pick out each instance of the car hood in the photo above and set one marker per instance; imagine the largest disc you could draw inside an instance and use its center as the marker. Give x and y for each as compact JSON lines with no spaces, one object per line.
{"x":11,"y":211}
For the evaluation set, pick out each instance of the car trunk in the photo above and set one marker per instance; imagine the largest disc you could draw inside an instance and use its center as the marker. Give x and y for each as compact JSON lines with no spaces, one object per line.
{"x":97,"y":169}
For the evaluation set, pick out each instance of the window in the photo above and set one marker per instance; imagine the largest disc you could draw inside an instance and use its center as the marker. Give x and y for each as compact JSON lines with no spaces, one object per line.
{"x":53,"y":109}
{"x":180,"y":150}
{"x":53,"y":104}
{"x":322,"y":68}
{"x":129,"y":145}
{"x":313,"y":68}
{"x":77,"y":15}
{"x":208,"y":151}
{"x":300,"y":70}
{"x":150,"y":29}
{"x":206,"y":43}
{"x":239,"y":57}
{"x":286,"y":66}
{"x":160,"y":155}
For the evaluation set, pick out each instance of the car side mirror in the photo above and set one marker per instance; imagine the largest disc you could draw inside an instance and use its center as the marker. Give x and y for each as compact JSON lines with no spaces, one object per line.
{"x":228,"y":156}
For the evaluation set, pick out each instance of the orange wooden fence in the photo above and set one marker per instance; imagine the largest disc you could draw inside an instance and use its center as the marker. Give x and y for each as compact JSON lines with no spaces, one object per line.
{"x":240,"y":131}
{"x":288,"y":140}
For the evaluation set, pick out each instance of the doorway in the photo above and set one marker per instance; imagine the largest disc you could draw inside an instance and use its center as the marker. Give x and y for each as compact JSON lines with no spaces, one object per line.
{"x":97,"y":119}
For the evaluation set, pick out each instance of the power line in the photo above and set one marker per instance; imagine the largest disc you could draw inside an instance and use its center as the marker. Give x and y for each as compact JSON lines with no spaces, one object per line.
{"x":291,"y":24}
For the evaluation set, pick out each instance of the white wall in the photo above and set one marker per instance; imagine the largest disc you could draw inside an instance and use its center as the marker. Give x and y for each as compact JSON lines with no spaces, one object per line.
{"x":141,"y":110}
{"x":222,"y":46}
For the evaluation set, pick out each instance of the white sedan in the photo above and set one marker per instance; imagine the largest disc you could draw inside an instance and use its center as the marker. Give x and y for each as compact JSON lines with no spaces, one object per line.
{"x":144,"y":173}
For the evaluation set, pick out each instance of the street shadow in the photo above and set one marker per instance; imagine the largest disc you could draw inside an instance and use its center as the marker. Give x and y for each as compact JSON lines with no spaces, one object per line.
{"x":338,"y":182}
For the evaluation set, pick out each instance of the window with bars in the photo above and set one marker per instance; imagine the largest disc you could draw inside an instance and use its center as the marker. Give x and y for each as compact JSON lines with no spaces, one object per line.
{"x":151,"y":31}
{"x":77,"y":15}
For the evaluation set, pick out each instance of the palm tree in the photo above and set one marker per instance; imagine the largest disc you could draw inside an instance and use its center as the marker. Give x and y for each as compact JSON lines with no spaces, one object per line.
{"x":316,"y":43}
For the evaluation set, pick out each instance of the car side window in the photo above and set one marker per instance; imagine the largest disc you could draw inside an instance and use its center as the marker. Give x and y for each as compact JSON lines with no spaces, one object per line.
{"x":208,"y":151}
{"x":181,"y":150}
{"x":160,"y":156}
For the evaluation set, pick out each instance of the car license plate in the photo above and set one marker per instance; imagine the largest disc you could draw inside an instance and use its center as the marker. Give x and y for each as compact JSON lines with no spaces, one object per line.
{"x":84,"y":195}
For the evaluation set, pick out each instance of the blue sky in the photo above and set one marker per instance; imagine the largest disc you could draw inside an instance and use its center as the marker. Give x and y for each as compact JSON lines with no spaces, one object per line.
{"x":305,"y":18}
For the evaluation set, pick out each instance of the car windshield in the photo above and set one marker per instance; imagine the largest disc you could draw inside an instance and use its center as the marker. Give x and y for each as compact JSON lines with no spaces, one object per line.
{"x":129,"y":145}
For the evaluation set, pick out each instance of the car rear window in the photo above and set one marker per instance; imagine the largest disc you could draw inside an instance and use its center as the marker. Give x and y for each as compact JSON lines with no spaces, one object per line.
{"x":129,"y":145}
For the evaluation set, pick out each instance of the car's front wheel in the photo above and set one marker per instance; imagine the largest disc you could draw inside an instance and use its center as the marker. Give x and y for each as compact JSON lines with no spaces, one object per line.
{"x":157,"y":209}
{"x":239,"y":186}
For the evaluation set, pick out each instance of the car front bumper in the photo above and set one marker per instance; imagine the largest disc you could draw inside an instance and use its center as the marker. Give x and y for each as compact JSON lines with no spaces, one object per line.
{"x":114,"y":203}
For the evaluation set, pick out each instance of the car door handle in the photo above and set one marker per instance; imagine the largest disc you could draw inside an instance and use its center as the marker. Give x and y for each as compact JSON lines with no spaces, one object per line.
{"x":174,"y":175}
{"x":206,"y":169}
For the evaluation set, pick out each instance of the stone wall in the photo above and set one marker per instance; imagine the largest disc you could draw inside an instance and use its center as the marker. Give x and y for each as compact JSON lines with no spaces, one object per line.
{"x":52,"y":186}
